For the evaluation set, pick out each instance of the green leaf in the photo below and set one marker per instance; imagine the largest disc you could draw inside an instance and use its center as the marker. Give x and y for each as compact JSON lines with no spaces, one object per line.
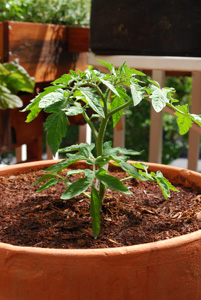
{"x":132,"y":171}
{"x":77,"y":147}
{"x":74,"y":111}
{"x":95,"y":211}
{"x":51,"y":98}
{"x":18,"y":79}
{"x":137,"y":93}
{"x":92,"y":100}
{"x":55,"y":107}
{"x":56,"y":126}
{"x":74,"y":74}
{"x":184,"y":121}
{"x":106,"y":64}
{"x":124,"y":151}
{"x":33,"y":106}
{"x":140,"y":166}
{"x":78,"y":187}
{"x":163,"y":185}
{"x":138,"y":73}
{"x":111,"y":182}
{"x":109,"y":151}
{"x":109,"y":86}
{"x":72,"y":172}
{"x":44,"y":177}
{"x":8,"y":100}
{"x":196,"y":119}
{"x":48,"y":184}
{"x":63,"y":79}
{"x":116,"y":102}
{"x":122,"y":93}
{"x":159,"y":98}
{"x":154,"y":83}
{"x":63,"y":164}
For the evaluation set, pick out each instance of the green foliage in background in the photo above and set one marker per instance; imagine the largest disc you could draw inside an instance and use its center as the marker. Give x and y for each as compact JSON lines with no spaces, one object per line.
{"x":13,"y":78}
{"x":66,"y":12}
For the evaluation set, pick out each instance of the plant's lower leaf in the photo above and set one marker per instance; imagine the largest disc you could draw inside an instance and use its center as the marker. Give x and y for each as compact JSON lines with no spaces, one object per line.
{"x":124,"y":151}
{"x":111,"y":182}
{"x":63,"y":164}
{"x":44,"y":177}
{"x":132,"y":171}
{"x":56,"y":126}
{"x":48,"y":184}
{"x":164,"y":186}
{"x":77,"y":147}
{"x":140,"y":166}
{"x":77,"y":187}
{"x":95,"y":211}
{"x":170,"y":186}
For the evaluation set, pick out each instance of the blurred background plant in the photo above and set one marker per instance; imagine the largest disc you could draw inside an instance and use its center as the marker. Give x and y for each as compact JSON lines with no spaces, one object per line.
{"x":64,"y":12}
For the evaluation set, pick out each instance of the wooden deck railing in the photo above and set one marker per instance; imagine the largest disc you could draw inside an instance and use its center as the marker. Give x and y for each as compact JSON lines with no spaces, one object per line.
{"x":158,"y":67}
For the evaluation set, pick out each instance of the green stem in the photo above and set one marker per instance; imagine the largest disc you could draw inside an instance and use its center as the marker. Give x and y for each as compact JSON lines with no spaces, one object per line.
{"x":100,"y":137}
{"x":112,"y":112}
{"x":85,"y":194}
{"x":126,"y":178}
{"x":94,"y":86}
{"x":177,"y":110}
{"x":93,"y":129}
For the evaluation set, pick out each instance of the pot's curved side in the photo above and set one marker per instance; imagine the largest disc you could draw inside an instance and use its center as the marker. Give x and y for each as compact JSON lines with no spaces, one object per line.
{"x":162,"y":270}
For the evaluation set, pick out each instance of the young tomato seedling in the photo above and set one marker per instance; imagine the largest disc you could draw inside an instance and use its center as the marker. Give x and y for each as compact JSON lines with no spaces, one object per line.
{"x":107,"y":95}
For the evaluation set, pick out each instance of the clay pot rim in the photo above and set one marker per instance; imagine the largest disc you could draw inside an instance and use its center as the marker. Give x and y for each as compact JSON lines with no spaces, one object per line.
{"x":152,"y":246}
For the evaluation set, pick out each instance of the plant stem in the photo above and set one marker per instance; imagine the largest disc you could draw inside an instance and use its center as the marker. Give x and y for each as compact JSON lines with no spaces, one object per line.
{"x":126,"y":178}
{"x":112,"y":112}
{"x":93,"y":129}
{"x":85,"y":194}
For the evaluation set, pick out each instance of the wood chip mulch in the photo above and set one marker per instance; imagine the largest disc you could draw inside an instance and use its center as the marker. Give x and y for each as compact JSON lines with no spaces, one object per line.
{"x":44,"y":220}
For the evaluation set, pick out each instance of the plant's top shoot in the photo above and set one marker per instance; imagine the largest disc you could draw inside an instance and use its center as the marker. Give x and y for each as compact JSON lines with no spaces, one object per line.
{"x":106,"y":95}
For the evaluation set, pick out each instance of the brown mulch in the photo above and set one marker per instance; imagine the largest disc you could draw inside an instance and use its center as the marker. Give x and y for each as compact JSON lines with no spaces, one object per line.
{"x":43,"y":220}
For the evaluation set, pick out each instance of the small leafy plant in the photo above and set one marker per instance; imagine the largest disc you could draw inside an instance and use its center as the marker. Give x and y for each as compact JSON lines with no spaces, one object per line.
{"x":64,"y":12}
{"x":106,"y":95}
{"x":13,"y":78}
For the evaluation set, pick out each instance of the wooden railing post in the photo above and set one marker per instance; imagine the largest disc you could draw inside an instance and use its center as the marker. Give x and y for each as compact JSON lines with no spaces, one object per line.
{"x":194,"y":136}
{"x":119,"y":133}
{"x":84,"y":134}
{"x":156,"y":127}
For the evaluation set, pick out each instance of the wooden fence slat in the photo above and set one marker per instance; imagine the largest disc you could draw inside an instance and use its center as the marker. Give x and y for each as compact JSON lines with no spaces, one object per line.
{"x":194,"y":136}
{"x":156,"y":126}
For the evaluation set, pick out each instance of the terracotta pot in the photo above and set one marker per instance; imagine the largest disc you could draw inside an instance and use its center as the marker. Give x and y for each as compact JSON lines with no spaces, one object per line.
{"x":169,"y":269}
